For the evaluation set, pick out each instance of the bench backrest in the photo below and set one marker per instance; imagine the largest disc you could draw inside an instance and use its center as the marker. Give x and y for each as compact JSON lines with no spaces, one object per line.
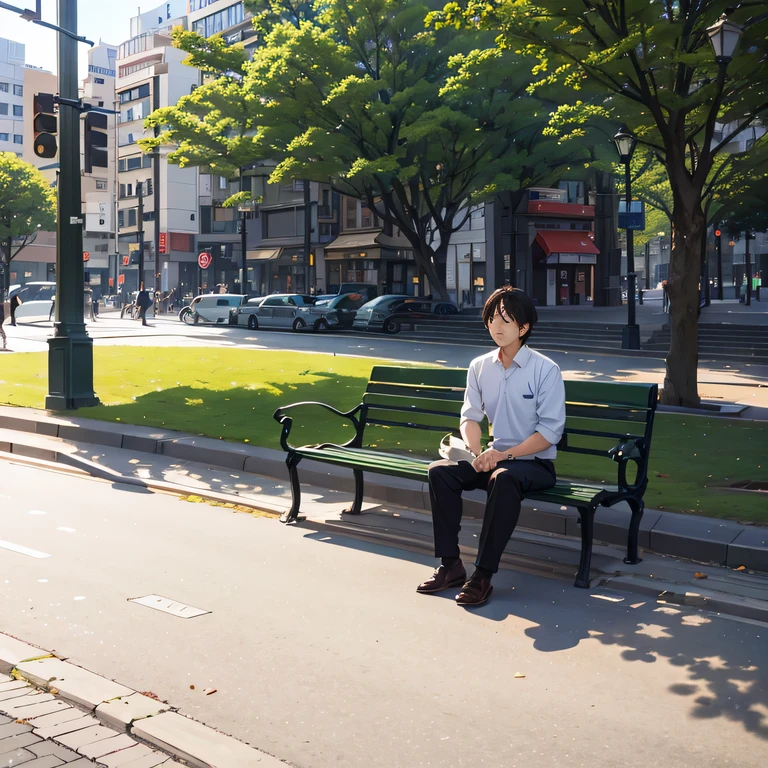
{"x":599,"y":414}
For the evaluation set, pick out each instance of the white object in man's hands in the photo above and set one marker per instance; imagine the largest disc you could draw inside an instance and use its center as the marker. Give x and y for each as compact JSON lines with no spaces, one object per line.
{"x":455,"y":449}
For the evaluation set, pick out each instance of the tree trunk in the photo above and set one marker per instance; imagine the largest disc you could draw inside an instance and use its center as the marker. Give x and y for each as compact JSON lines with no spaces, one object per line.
{"x":688,"y":233}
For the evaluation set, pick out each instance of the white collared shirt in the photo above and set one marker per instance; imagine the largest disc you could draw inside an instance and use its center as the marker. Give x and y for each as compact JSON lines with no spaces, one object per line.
{"x":527,"y":397}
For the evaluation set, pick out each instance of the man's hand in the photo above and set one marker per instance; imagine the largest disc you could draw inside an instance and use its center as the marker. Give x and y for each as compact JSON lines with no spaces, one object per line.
{"x":487,"y":460}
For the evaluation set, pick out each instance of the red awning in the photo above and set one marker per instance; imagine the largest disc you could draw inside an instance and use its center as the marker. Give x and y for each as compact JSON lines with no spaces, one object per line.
{"x":566,"y":241}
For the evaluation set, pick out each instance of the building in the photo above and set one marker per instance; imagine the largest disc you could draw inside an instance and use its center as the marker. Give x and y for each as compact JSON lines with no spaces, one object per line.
{"x":157,"y":201}
{"x":99,"y":188}
{"x":12,"y":112}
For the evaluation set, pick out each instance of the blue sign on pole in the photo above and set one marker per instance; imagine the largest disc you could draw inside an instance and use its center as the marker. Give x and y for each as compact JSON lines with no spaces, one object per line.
{"x":636,"y":215}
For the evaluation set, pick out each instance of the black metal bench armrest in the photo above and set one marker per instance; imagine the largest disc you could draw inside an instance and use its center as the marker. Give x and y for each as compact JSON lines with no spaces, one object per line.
{"x":622,"y":454}
{"x":286,"y":421}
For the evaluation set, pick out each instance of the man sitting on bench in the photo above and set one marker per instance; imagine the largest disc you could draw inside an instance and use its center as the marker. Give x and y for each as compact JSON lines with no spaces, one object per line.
{"x":523,"y":395}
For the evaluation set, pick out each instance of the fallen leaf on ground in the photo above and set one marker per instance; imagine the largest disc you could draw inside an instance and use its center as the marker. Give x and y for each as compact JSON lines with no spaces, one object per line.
{"x":150,"y":695}
{"x":191,"y":687}
{"x":518,"y":675}
{"x":53,"y":691}
{"x":209,"y":691}
{"x":699,"y":575}
{"x":662,"y":475}
{"x":741,"y":568}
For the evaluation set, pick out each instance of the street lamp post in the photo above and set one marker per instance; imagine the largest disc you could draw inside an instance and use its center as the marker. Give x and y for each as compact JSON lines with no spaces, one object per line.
{"x":625,"y":146}
{"x":244,"y":208}
{"x":70,"y":353}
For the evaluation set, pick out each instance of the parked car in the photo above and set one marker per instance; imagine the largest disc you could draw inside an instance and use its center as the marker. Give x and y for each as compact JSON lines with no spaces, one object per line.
{"x":36,"y":301}
{"x":335,"y":311}
{"x":211,"y":308}
{"x":371,"y":316}
{"x":368,"y":290}
{"x":245,"y":307}
{"x":282,"y":310}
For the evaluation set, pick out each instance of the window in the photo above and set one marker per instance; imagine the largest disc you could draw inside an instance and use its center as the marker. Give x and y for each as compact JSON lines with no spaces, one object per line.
{"x":477,"y":217}
{"x":4,"y":87}
{"x":18,"y":90}
{"x":131,"y":217}
{"x":18,"y":110}
{"x":218,"y":22}
{"x":351,"y":213}
{"x":18,"y":139}
{"x":121,"y":165}
{"x":222,"y":303}
{"x":133,"y":163}
{"x":121,"y":219}
{"x":98,"y":80}
{"x":146,"y":161}
{"x":366,"y":217}
{"x":4,"y":137}
{"x":298,"y":185}
{"x":142,"y":92}
{"x":222,"y":182}
{"x":101,"y":184}
{"x":3,"y":108}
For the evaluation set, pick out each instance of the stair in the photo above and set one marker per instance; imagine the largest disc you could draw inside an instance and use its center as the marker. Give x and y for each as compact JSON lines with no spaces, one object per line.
{"x":727,"y":342}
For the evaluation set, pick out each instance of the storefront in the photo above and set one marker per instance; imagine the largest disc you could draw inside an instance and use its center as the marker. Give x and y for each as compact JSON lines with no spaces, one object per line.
{"x":278,"y":270}
{"x":563,"y":267}
{"x":465,"y":274}
{"x":370,"y":257}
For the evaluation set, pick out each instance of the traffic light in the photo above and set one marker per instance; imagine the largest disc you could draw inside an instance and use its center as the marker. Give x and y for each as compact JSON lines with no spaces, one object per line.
{"x":717,"y":233}
{"x":96,"y":141}
{"x":46,"y":125}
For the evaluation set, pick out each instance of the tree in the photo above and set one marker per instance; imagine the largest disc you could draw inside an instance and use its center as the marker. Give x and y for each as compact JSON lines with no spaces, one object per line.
{"x":656,"y":68}
{"x":410,"y":120}
{"x":27,"y":205}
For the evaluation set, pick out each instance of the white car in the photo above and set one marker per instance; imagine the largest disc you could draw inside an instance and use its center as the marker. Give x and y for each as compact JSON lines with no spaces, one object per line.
{"x":280,"y":310}
{"x":36,"y":301}
{"x":211,"y":308}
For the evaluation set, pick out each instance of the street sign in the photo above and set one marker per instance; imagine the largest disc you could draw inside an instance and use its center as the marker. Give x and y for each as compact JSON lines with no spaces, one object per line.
{"x":163,"y":242}
{"x":86,"y":255}
{"x":204,"y":260}
{"x":636,"y":215}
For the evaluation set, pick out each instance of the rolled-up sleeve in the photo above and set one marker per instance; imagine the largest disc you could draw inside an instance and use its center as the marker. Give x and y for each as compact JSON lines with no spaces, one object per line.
{"x":550,"y":406}
{"x":472,"y":410}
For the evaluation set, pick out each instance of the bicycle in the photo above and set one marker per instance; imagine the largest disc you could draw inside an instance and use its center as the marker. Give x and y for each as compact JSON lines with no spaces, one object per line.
{"x":131,"y":310}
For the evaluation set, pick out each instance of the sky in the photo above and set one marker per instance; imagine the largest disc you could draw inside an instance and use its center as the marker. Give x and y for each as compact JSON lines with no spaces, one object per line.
{"x":108,"y":20}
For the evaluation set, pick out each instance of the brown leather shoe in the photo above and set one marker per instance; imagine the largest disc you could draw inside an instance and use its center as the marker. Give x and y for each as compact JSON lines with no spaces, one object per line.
{"x":443,"y":578}
{"x":475,"y":592}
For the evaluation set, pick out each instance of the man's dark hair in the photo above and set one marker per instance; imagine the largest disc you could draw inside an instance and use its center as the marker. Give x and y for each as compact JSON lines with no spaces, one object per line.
{"x":517,"y":305}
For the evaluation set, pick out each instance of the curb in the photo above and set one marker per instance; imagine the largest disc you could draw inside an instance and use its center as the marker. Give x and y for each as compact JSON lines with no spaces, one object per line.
{"x":689,"y":536}
{"x":108,"y":722}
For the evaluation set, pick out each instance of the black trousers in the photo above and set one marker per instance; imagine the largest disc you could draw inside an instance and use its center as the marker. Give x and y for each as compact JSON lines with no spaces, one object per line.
{"x":143,"y":314}
{"x":506,"y":486}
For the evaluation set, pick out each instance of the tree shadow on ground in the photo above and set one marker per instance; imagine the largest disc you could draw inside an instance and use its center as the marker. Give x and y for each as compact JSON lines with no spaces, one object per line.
{"x":724,"y":660}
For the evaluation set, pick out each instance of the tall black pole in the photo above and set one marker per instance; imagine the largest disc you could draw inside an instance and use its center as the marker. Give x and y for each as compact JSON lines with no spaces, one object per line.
{"x":70,"y":353}
{"x":748,"y":265}
{"x":718,"y":241}
{"x":307,"y":233}
{"x":140,"y":194}
{"x":631,"y":334}
{"x":244,"y":253}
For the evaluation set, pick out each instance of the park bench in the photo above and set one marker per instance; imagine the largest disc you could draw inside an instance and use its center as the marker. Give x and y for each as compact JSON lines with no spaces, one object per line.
{"x":605,"y":420}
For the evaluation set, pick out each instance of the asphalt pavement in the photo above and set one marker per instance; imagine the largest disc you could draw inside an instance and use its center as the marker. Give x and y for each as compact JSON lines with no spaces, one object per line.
{"x":322,"y":654}
{"x":742,"y":383}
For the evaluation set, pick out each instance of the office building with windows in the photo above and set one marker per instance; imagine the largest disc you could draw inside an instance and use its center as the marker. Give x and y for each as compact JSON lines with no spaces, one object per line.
{"x":151,"y":75}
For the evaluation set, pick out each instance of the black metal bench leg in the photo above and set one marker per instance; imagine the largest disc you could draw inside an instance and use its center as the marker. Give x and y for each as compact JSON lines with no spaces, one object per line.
{"x":587,"y":515}
{"x":357,"y":504}
{"x":292,"y":462}
{"x":637,"y":508}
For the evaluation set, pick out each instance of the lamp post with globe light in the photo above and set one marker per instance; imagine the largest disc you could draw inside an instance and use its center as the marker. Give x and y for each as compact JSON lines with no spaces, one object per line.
{"x":625,"y":145}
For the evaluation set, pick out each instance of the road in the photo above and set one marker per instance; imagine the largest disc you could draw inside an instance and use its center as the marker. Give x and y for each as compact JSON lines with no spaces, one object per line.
{"x":322,"y":653}
{"x":741,"y":383}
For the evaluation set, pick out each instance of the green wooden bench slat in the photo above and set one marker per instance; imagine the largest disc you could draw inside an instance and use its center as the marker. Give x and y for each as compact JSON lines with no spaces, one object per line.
{"x":615,"y":393}
{"x":434,"y":377}
{"x":416,"y":393}
{"x":406,"y":403}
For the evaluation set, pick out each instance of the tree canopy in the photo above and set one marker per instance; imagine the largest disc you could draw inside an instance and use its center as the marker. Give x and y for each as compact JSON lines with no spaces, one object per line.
{"x":27,"y":204}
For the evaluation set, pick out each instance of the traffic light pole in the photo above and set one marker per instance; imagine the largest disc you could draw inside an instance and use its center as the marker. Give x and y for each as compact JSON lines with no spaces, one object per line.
{"x":140,"y":193}
{"x":70,"y":354}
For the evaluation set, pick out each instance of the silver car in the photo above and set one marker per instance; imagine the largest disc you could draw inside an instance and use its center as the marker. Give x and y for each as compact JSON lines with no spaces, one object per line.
{"x":276,"y":311}
{"x":334,"y":311}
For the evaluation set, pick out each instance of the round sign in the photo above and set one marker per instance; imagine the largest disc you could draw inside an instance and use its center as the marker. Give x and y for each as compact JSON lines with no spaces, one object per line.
{"x":204,"y":260}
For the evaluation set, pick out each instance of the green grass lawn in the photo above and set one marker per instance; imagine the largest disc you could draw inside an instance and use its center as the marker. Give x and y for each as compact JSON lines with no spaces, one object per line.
{"x":231,"y":394}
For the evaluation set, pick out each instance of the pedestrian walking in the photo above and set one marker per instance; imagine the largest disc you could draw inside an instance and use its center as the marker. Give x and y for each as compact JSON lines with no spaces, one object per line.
{"x":143,"y":302}
{"x":15,"y":304}
{"x":2,"y":320}
{"x":521,"y":392}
